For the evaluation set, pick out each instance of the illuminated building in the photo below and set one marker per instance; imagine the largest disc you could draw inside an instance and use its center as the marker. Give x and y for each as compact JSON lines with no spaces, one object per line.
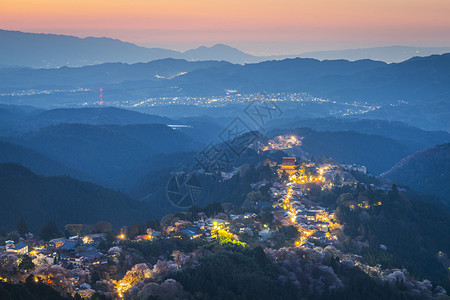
{"x":288,"y":165}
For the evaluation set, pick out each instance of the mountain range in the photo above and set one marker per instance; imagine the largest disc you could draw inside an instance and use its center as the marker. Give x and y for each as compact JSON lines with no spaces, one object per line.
{"x":420,"y":79}
{"x":427,"y":171}
{"x":129,"y":151}
{"x":62,"y":199}
{"x":52,"y":51}
{"x":39,"y":50}
{"x":111,"y":145}
{"x":386,"y":54}
{"x":37,"y":162}
{"x":415,"y":91}
{"x":104,"y":152}
{"x":412,"y":137}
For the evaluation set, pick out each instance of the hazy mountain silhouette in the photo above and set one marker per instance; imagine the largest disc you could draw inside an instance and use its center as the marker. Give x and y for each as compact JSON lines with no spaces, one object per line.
{"x":37,"y":162}
{"x":417,"y":79}
{"x":38,"y":199}
{"x":38,"y":50}
{"x":89,"y":115}
{"x":50,"y":50}
{"x":12,"y":113}
{"x":427,"y":171}
{"x":108,"y":73}
{"x":220,"y":52}
{"x":387,"y":54}
{"x":415,"y":91}
{"x":104,"y":151}
{"x":412,"y":137}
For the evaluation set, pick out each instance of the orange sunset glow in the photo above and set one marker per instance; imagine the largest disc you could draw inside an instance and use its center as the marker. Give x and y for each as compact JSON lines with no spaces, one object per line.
{"x":250,"y":24}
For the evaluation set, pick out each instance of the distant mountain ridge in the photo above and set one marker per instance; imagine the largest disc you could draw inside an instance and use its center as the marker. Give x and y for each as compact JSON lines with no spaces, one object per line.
{"x":412,"y":137}
{"x":103,"y":151}
{"x":92,"y":116}
{"x":39,"y":50}
{"x":62,"y":199}
{"x":220,"y":52}
{"x":15,"y":119}
{"x":51,"y":50}
{"x":415,"y":91}
{"x":386,"y":54}
{"x":427,"y":171}
{"x":377,"y":82}
{"x":37,"y":162}
{"x":107,"y":73}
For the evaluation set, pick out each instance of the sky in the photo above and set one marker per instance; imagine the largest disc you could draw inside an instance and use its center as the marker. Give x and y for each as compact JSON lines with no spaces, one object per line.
{"x":259,"y":27}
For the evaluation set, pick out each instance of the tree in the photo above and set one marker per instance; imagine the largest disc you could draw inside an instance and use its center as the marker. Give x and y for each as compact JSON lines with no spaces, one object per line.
{"x":266,"y":217}
{"x":14,"y":236}
{"x":2,"y":231}
{"x":337,"y":180}
{"x":153,"y":225}
{"x":110,"y":238}
{"x":49,"y":231}
{"x":226,"y":237}
{"x":181,"y":235}
{"x":260,"y":256}
{"x":103,"y":227}
{"x":22,"y":227}
{"x":103,"y":245}
{"x":30,"y":280}
{"x":213,"y":209}
{"x":25,"y":264}
{"x":95,"y":277}
{"x":8,"y":263}
{"x":291,"y":232}
{"x":345,"y":197}
{"x":136,"y":229}
{"x":255,"y":196}
{"x":74,"y":229}
{"x":167,"y":220}
{"x":393,"y":193}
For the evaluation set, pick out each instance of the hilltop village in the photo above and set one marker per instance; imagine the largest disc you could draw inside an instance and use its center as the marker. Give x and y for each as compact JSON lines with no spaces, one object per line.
{"x":292,"y":209}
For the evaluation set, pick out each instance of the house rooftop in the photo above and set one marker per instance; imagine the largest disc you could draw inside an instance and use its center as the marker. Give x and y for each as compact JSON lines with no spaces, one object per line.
{"x":69,"y":245}
{"x":191,"y":231}
{"x":95,"y":235}
{"x":58,"y":240}
{"x":289,"y":161}
{"x":20,"y":245}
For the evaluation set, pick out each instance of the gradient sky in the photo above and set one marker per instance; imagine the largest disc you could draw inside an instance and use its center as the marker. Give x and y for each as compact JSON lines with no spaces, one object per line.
{"x":258,"y":27}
